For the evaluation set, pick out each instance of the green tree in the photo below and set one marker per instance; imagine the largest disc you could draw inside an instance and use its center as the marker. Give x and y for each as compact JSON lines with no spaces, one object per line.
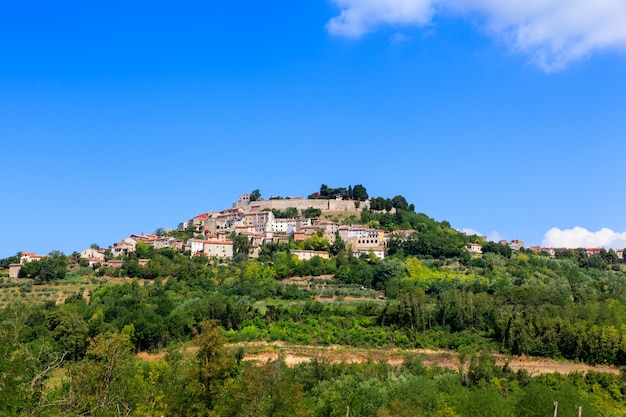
{"x":4,"y":263}
{"x":268,"y":390}
{"x":103,"y":384}
{"x":338,"y":246}
{"x":359,"y":193}
{"x":213,"y":365}
{"x":48,"y":269}
{"x":255,"y":195}
{"x":241,"y":246}
{"x":377,"y":204}
{"x":311,"y":212}
{"x":69,"y":330}
{"x":399,"y":202}
{"x":386,"y":270}
{"x":288,"y":213}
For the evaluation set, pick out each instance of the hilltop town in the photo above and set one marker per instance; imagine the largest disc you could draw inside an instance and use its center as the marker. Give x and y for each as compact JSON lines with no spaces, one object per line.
{"x":328,"y":215}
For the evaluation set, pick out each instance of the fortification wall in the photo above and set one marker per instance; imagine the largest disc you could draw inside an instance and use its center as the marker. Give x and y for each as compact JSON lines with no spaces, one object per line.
{"x":302,"y":204}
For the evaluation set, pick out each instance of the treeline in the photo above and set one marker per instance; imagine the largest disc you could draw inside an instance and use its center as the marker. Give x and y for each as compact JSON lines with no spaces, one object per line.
{"x":358,"y":193}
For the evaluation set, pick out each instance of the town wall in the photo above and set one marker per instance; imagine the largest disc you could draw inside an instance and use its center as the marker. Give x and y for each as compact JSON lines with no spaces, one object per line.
{"x":302,"y":204}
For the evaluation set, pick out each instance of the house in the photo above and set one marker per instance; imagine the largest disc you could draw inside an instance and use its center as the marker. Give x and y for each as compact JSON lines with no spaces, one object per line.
{"x":306,"y":255}
{"x":593,"y":251}
{"x":514,"y":244}
{"x":329,"y":229}
{"x":94,"y":261}
{"x":280,"y":239}
{"x":379,"y":252}
{"x":363,"y":240}
{"x":91,"y":253}
{"x":538,"y":249}
{"x":286,"y":226}
{"x":361,"y":237}
{"x":259,"y":220}
{"x":222,"y":249}
{"x":473,"y":247}
{"x":115,"y":263}
{"x":124,"y":247}
{"x":199,"y":222}
{"x":30,"y":256}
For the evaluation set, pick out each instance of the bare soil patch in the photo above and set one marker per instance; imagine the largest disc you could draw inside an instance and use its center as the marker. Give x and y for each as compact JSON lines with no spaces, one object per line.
{"x":294,"y":354}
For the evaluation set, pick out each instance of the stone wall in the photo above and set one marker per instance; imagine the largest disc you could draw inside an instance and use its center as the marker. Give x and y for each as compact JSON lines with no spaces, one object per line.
{"x":302,"y":204}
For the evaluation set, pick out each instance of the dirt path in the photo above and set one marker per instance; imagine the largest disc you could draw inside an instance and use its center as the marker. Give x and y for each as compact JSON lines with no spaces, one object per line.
{"x":262,"y":352}
{"x":295,"y":354}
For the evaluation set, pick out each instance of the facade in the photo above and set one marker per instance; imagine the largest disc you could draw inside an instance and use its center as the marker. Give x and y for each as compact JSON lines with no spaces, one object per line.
{"x":306,"y":255}
{"x":362,"y":237}
{"x":91,"y":253}
{"x":593,"y":251}
{"x":30,"y":256}
{"x":473,"y":247}
{"x":329,"y":228}
{"x":299,"y":235}
{"x":124,"y":247}
{"x":221,"y":249}
{"x":115,"y":263}
{"x":261,"y":221}
{"x":514,"y":244}
{"x":362,"y":240}
{"x":379,"y":252}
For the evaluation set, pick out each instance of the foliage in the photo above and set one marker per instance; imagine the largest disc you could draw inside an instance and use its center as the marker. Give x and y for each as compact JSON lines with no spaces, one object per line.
{"x":255,"y":195}
{"x":358,"y":193}
{"x":46,"y":269}
{"x":288,"y":213}
{"x":311,"y":212}
{"x":5,"y":262}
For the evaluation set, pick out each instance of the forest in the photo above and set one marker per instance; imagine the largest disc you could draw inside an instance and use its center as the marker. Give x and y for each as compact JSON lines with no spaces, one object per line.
{"x":198,"y":317}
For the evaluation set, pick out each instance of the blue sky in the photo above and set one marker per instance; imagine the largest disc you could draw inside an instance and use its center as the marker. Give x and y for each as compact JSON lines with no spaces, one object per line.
{"x":122,"y":117}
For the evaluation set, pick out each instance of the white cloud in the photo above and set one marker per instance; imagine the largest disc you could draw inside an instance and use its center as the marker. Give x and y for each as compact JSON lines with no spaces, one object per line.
{"x":552,"y":33}
{"x":470,"y":232}
{"x":361,"y":16}
{"x":579,"y":237}
{"x":494,"y":237}
{"x":491,"y":237}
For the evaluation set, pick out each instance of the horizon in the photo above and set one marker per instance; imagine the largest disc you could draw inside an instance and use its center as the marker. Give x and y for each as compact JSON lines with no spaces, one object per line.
{"x":503,"y":119}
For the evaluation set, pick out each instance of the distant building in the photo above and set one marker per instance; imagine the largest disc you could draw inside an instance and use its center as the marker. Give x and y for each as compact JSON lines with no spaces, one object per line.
{"x":14,"y":270}
{"x":306,"y":255}
{"x":593,"y":251}
{"x":124,"y":247}
{"x":91,"y":253}
{"x":514,"y":244}
{"x":474,"y":247}
{"x":363,"y":240}
{"x":538,"y":249}
{"x":221,"y":249}
{"x":26,"y":257}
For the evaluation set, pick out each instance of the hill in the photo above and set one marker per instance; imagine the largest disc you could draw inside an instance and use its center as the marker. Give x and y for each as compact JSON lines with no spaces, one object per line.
{"x":71,"y":331}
